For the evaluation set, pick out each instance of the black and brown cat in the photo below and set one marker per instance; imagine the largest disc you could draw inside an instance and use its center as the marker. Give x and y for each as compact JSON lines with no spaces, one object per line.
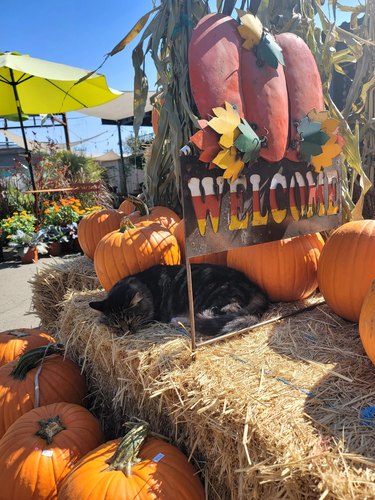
{"x":225,"y":300}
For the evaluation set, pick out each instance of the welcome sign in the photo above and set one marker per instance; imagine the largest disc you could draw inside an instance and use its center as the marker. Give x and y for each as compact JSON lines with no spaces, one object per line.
{"x":266,"y":202}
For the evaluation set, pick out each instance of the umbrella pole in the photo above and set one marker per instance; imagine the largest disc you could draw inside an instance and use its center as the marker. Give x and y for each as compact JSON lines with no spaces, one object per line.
{"x":28,"y":154}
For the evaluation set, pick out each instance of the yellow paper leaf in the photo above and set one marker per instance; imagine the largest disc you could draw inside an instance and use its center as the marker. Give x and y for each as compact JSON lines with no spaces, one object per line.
{"x":251,"y":29}
{"x":318,"y":116}
{"x":225,"y":124}
{"x":330,"y":126}
{"x":227,"y":160}
{"x":325,"y":159}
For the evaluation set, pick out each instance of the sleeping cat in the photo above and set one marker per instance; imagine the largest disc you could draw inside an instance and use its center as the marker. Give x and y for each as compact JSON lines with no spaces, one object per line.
{"x":225,"y":300}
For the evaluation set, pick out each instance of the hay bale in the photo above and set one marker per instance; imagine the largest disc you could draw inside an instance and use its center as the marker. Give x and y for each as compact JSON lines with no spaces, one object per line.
{"x":273,"y":413}
{"x":51,"y":283}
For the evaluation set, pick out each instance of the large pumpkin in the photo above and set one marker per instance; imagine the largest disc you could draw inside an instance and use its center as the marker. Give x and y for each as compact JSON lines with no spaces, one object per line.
{"x":41,"y":376}
{"x":114,"y":472}
{"x":162,"y":215}
{"x":42,"y":446}
{"x":132,"y":249}
{"x":285,"y":269}
{"x":14,"y":343}
{"x":219,"y":258}
{"x":94,"y":226}
{"x":272,"y":100}
{"x":367,"y":323}
{"x":347,"y":267}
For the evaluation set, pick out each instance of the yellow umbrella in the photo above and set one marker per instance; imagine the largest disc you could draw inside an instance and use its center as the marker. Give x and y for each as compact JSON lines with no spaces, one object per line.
{"x":34,"y":86}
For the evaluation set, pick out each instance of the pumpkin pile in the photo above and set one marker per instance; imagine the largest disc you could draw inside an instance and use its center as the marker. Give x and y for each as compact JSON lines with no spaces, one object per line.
{"x":51,"y":445}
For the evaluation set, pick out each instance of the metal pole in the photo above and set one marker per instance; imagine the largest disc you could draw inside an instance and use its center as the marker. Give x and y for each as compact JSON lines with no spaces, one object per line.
{"x":19,"y":111}
{"x":122,"y":156}
{"x":66,"y":130}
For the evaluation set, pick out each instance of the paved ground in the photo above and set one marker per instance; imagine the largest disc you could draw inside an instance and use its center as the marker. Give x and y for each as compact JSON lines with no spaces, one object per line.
{"x":15,"y":292}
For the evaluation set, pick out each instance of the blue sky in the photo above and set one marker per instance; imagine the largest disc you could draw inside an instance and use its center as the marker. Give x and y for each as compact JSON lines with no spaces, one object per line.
{"x":79,"y":33}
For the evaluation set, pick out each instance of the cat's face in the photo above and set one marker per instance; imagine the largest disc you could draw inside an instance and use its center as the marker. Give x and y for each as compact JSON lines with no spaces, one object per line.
{"x":126,"y":308}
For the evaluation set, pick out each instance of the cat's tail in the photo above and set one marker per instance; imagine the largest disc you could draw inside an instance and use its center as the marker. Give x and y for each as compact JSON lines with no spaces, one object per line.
{"x":209,"y":324}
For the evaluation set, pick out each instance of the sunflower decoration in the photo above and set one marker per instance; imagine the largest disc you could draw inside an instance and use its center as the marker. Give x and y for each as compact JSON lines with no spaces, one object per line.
{"x":320,"y":141}
{"x":227,"y":141}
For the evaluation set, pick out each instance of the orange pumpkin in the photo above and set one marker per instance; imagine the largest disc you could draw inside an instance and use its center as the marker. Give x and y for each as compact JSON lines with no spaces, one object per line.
{"x":347,"y":267}
{"x":367,"y":323}
{"x":219,"y":258}
{"x":285,"y":269}
{"x":114,"y":472}
{"x":133,"y":249}
{"x":162,"y":215}
{"x":58,"y":380}
{"x":42,"y":446}
{"x":127,"y":207}
{"x":14,"y":343}
{"x":94,"y":226}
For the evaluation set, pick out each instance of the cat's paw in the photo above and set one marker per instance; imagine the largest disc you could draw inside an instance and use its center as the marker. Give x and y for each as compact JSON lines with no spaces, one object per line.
{"x":180,"y":321}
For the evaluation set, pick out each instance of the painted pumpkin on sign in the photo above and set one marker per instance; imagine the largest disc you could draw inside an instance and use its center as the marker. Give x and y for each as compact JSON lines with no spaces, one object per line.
{"x":271,"y":99}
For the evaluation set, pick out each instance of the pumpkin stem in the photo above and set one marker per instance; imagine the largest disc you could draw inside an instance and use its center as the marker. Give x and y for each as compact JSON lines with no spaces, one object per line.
{"x":127,"y":451}
{"x":31,"y":358}
{"x":126,"y":224}
{"x":49,"y":428}
{"x":140,"y":205}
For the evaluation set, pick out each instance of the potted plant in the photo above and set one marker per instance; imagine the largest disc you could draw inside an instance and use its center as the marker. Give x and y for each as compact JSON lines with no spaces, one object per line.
{"x":54,"y":237}
{"x":28,"y":245}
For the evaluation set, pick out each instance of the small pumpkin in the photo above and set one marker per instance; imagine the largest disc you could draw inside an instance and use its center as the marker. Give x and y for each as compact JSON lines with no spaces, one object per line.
{"x":94,"y":226}
{"x":162,"y":215}
{"x":132,"y":249}
{"x":347,"y":267}
{"x":14,"y":343}
{"x":285,"y":269}
{"x":219,"y":258}
{"x":42,"y":446}
{"x":41,"y":376}
{"x":367,"y":323}
{"x":160,"y":471}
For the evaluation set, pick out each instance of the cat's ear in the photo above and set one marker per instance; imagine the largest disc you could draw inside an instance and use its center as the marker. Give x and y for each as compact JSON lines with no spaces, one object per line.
{"x":99,"y":305}
{"x":136,"y":299}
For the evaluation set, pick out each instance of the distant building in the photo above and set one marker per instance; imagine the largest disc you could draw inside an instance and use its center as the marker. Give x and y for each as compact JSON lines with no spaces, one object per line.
{"x":111,"y":162}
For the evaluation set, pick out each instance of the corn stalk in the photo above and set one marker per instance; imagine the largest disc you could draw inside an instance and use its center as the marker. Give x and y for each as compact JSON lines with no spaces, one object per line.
{"x":166,"y":38}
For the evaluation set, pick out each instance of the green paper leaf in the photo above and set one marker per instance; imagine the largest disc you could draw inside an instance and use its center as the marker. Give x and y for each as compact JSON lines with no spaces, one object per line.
{"x":319,"y":138}
{"x":307,"y":127}
{"x":308,"y":149}
{"x":270,"y":52}
{"x":247,"y":142}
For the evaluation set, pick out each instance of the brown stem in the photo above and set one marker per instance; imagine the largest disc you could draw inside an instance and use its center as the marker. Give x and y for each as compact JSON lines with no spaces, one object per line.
{"x":140,"y":205}
{"x":127,"y":451}
{"x":126,"y":224}
{"x":31,"y":358}
{"x":49,"y":428}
